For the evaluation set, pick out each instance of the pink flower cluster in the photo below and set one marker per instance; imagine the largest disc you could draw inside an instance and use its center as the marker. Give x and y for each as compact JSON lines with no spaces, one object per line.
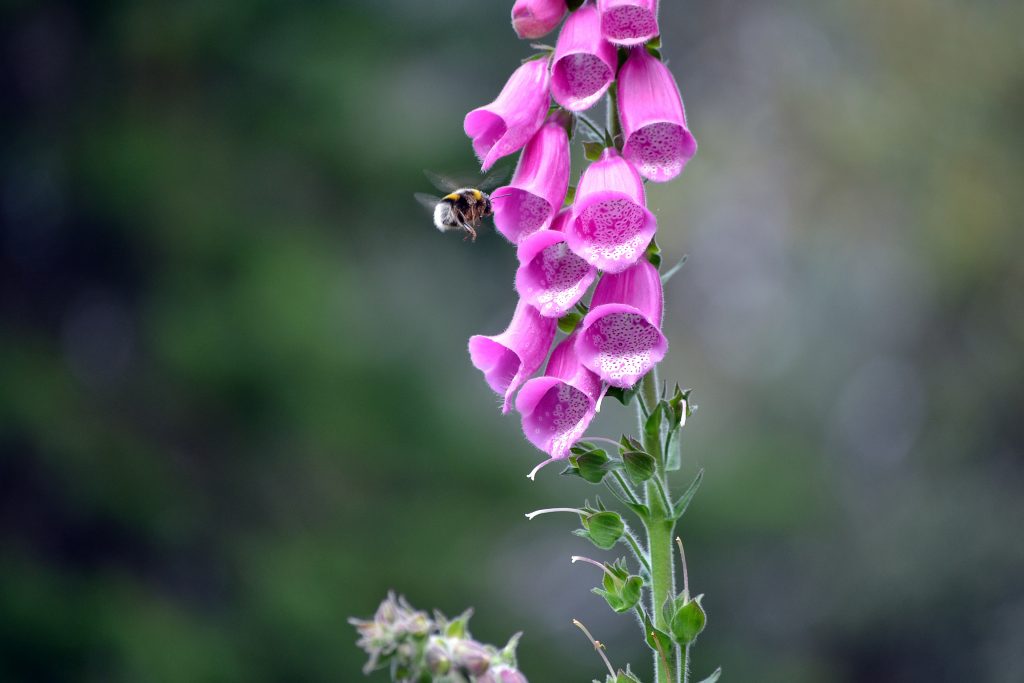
{"x":602,"y":236}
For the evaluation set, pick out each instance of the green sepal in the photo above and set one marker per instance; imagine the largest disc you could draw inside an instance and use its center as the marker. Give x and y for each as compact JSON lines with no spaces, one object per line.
{"x":568,"y":322}
{"x":684,"y":500}
{"x":653,"y":253}
{"x":574,"y":5}
{"x":623,"y":396}
{"x":713,"y":677}
{"x":655,"y":637}
{"x":639,"y":465}
{"x":570,"y":196}
{"x":688,"y":620}
{"x":535,"y":57}
{"x":593,"y":465}
{"x":667,"y":275}
{"x":457,"y":627}
{"x":621,"y":590}
{"x":654,"y":52}
{"x":592,"y":150}
{"x":621,"y":676}
{"x":654,"y":42}
{"x":604,"y":529}
{"x":628,"y":443}
{"x":679,"y":406}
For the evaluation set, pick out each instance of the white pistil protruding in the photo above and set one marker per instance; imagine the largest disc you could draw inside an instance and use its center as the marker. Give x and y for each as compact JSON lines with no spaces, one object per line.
{"x":598,"y":645}
{"x":531,"y":515}
{"x":597,"y":564}
{"x":682,"y":558}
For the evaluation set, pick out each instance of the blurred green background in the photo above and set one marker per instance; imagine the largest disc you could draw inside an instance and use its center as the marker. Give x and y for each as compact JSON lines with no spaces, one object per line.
{"x":236,"y":405}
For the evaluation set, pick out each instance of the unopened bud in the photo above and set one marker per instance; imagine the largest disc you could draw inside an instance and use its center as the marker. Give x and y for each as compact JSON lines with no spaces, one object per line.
{"x":471,"y":656}
{"x":438,"y":659}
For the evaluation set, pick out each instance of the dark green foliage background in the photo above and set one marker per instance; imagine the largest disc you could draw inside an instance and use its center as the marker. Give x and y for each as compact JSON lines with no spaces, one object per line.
{"x":235,"y":402}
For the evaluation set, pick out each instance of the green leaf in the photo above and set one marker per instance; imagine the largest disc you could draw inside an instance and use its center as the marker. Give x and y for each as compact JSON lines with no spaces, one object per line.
{"x":654,"y":637}
{"x":654,"y":42}
{"x":713,"y":677}
{"x":570,"y":196}
{"x":688,"y":621}
{"x":654,"y":52}
{"x":626,"y":676}
{"x":568,"y":322}
{"x":604,"y":529}
{"x":535,"y":57}
{"x":639,"y":465}
{"x":667,"y":275}
{"x":592,"y":150}
{"x":684,"y":500}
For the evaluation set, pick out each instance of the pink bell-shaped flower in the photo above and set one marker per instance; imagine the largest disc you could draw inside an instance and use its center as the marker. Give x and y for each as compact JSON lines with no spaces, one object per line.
{"x":610,"y":226}
{"x":550,"y":276}
{"x":657,"y":140}
{"x":506,"y":124}
{"x":535,"y":18}
{"x":620,"y":338}
{"x":508,"y":359}
{"x":584,"y":63}
{"x":629,"y":22}
{"x":558,"y":407}
{"x":538,"y":187}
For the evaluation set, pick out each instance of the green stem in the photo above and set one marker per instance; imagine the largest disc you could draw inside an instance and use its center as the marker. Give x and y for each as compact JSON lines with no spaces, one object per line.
{"x":601,"y":134}
{"x":614,"y":125}
{"x":659,"y":529}
{"x":625,"y":487}
{"x":640,"y":555}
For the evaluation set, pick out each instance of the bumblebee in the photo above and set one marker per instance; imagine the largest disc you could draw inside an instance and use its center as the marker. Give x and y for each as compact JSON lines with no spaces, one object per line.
{"x":463,"y":208}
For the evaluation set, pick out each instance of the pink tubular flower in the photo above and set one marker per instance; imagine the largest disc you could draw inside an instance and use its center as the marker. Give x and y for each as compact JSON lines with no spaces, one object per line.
{"x":629,"y":22}
{"x":506,"y":124}
{"x":509,"y":358}
{"x":558,"y":407}
{"x":535,"y":18}
{"x":610,"y":226}
{"x":550,"y":277}
{"x":538,"y":187}
{"x":620,"y":338}
{"x":584,"y":63}
{"x":657,"y":140}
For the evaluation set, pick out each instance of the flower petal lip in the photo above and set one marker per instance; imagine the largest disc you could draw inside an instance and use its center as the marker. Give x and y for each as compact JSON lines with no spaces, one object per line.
{"x":538,"y":187}
{"x":558,"y":407}
{"x":657,"y":139}
{"x":620,"y":338}
{"x":506,"y":124}
{"x":550,"y":276}
{"x":610,"y":226}
{"x":584,"y":63}
{"x":535,"y":18}
{"x":629,"y":22}
{"x":509,"y":358}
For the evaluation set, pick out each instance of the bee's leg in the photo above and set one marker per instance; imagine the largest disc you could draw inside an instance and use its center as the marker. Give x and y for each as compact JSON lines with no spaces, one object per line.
{"x":471,"y":231}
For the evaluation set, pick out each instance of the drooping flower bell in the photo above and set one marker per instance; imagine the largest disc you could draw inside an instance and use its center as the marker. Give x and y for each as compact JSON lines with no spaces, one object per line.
{"x":629,"y":22}
{"x":531,"y":200}
{"x":610,"y":226}
{"x":506,"y":124}
{"x":584,"y":62}
{"x":550,"y":276}
{"x":620,"y":338}
{"x":508,"y":359}
{"x":535,"y":18}
{"x":558,"y":407}
{"x":657,"y":140}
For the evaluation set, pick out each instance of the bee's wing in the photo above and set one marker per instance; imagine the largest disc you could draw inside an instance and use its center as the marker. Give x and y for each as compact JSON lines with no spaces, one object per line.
{"x":427,"y":200}
{"x":496,"y":178}
{"x":443,"y":182}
